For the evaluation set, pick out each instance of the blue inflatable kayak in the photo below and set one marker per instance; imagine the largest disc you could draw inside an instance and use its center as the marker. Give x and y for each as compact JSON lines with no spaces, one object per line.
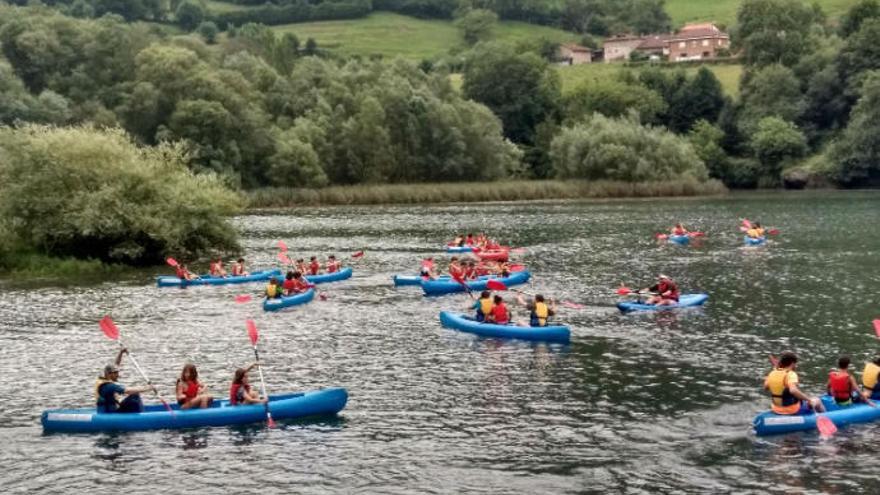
{"x":439,"y":287}
{"x":404,"y":280}
{"x":169,"y":281}
{"x":769,"y":423}
{"x":323,"y":278}
{"x":554,"y":333}
{"x":459,"y":249}
{"x":754,"y":241}
{"x":679,"y":239}
{"x":322,"y":402}
{"x":288,"y":301}
{"x":684,"y":301}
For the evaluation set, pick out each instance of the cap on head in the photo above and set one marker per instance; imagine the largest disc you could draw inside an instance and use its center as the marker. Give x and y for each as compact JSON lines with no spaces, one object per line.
{"x":110,"y":368}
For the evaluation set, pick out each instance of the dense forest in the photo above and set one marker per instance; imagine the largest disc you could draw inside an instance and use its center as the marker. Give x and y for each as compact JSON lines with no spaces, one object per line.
{"x":248,"y":108}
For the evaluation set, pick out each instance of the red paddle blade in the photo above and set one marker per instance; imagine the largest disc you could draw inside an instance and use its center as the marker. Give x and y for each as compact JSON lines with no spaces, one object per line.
{"x":270,"y":422}
{"x":283,"y":258}
{"x":496,"y":285}
{"x":573,"y":305}
{"x":243,"y":298}
{"x":825,"y":426}
{"x":518,"y":250}
{"x":358,"y":254}
{"x":877,"y":328}
{"x":282,"y":246}
{"x":773,"y":231}
{"x":746,"y":223}
{"x":252,"y":331}
{"x":109,"y":328}
{"x":172,"y":262}
{"x":661,"y":236}
{"x":517,"y":268}
{"x":696,"y":234}
{"x":623,"y":290}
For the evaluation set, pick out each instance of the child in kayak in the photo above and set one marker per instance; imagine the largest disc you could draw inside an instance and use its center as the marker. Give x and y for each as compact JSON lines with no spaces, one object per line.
{"x":107,"y":390}
{"x":301,"y":266}
{"x":665,"y":292}
{"x":333,"y":265}
{"x":190,"y":392}
{"x":238,"y":268}
{"x":215,"y":268}
{"x":240,"y":392}
{"x":294,"y":284}
{"x":756,"y":231}
{"x":500,"y":314}
{"x":841,"y":385}
{"x":426,"y":271}
{"x":540,"y":312}
{"x":183,"y":273}
{"x":314,"y":266}
{"x":455,"y":269}
{"x":469,"y":240}
{"x":483,"y":306}
{"x":870,"y":378}
{"x":679,"y":230}
{"x":786,"y":397}
{"x":273,"y":289}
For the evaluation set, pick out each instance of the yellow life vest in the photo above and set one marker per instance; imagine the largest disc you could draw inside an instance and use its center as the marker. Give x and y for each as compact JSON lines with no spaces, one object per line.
{"x":870,"y":375}
{"x":272,"y":290}
{"x":760,"y":231}
{"x":541,"y":313}
{"x":753,"y":233}
{"x":486,"y":306}
{"x":783,"y":402}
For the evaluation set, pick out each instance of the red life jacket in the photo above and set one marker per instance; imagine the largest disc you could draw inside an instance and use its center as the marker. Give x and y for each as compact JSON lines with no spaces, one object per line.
{"x":840,"y":386}
{"x":192,"y":391}
{"x":499,"y":314}
{"x":235,"y":390}
{"x":237,"y":269}
{"x":469,"y":241}
{"x":455,"y":272}
{"x":181,"y":273}
{"x":679,"y":231}
{"x":332,"y":267}
{"x":215,"y":268}
{"x":668,"y":286}
{"x":314,"y":267}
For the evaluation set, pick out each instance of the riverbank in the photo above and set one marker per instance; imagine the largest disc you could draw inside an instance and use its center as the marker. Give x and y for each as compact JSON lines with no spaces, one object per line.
{"x":451,"y":192}
{"x":27,"y":265}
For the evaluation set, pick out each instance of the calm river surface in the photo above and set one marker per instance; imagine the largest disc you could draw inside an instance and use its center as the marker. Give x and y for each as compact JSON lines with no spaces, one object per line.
{"x":635,"y":404}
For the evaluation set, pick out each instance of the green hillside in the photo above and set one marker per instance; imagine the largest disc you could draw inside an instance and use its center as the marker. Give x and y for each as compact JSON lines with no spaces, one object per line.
{"x":391,"y":35}
{"x":727,"y":74}
{"x":724,"y":11}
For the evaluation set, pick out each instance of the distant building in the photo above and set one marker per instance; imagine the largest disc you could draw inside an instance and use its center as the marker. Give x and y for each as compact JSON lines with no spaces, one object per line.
{"x":572,"y":54}
{"x":697,"y":42}
{"x":620,"y":47}
{"x":692,"y":42}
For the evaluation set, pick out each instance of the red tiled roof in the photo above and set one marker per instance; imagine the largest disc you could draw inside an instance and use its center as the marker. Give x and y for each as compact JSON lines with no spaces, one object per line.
{"x":655,"y":42}
{"x":575,"y":47}
{"x":698,"y":33}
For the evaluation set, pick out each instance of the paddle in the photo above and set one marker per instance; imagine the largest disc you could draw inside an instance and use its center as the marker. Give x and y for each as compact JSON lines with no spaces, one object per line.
{"x":172,"y":262}
{"x":112,"y":332}
{"x":242,"y":298}
{"x":284,"y":259}
{"x":254,"y":336}
{"x":825,"y":426}
{"x":877,"y":327}
{"x":282,"y":246}
{"x":499,"y":285}
{"x":464,"y":284}
{"x":359,"y":254}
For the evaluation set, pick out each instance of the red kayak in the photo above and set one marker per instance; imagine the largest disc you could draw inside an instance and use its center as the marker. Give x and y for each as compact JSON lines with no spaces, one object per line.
{"x":496,"y":255}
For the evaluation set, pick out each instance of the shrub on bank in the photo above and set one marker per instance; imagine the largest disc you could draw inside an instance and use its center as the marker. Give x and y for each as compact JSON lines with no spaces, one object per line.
{"x":90,"y":193}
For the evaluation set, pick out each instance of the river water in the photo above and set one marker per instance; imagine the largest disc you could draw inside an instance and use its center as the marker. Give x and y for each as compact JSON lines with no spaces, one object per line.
{"x":642,"y":403}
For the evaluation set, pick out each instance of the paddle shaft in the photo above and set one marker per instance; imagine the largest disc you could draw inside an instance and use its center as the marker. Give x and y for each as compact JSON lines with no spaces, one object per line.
{"x":263,"y":383}
{"x":144,"y":377}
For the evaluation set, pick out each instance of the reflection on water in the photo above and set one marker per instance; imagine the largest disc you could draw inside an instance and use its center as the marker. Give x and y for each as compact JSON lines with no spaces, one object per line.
{"x":639,"y":403}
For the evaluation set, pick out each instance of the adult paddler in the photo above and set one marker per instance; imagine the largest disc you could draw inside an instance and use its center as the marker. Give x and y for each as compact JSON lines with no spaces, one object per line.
{"x":870,"y":378}
{"x":665,"y":290}
{"x":540,"y":311}
{"x":786,"y":397}
{"x":107,"y":391}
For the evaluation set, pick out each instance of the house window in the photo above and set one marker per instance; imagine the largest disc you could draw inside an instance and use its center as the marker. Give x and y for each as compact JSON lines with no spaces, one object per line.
{"x":682,"y":44}
{"x":706,"y":54}
{"x":705,"y":42}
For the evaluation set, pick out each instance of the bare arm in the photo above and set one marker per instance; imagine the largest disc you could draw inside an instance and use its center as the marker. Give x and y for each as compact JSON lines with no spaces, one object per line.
{"x":122,"y":352}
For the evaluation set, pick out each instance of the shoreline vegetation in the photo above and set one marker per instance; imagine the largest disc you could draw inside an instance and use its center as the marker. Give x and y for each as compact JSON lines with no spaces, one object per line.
{"x":471,"y":192}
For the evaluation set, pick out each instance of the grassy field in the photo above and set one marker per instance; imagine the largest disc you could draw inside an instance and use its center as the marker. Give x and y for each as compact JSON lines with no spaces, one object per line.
{"x":219,"y":7}
{"x":390,"y":35}
{"x":572,"y":76}
{"x":724,"y":11}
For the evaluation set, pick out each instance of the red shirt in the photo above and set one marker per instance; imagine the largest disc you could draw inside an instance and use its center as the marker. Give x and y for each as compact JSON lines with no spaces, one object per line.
{"x":499,"y":314}
{"x":294,"y":285}
{"x":332,"y":267}
{"x":314,"y":267}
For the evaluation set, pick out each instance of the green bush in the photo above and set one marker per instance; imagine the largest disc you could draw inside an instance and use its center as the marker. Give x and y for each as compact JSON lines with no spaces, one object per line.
{"x":623,"y":149}
{"x":91,"y":193}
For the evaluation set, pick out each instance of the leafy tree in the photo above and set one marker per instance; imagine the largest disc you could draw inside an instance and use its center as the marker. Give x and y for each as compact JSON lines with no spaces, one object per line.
{"x":110,"y":199}
{"x":614,"y":99}
{"x":622,"y":149}
{"x":701,"y":98}
{"x":477,"y":25}
{"x":208,"y":31}
{"x":774,"y":31}
{"x":520,"y":88}
{"x":858,"y":150}
{"x":189,"y":15}
{"x":776,"y":141}
{"x":706,"y":140}
{"x":311,"y":47}
{"x":770,"y":91}
{"x":857,"y":14}
{"x":860,"y":53}
{"x":82,"y":9}
{"x":296,"y":164}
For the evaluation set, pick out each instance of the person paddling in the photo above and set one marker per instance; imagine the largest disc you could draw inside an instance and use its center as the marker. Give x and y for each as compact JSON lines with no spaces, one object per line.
{"x":871,"y":380}
{"x":786,"y":397}
{"x":183,"y":273}
{"x":301,"y":266}
{"x":540,"y":311}
{"x":215,"y":268}
{"x":426,"y":271}
{"x":455,"y":269}
{"x":679,"y":230}
{"x":107,"y":390}
{"x":294,"y":284}
{"x":190,"y":392}
{"x":500,"y":314}
{"x":238,"y":269}
{"x":273,"y":289}
{"x":240,"y":392}
{"x":333,"y":265}
{"x":665,"y":292}
{"x":841,"y":385}
{"x":755,"y":231}
{"x":469,"y":240}
{"x":483,"y":306}
{"x":314,"y":266}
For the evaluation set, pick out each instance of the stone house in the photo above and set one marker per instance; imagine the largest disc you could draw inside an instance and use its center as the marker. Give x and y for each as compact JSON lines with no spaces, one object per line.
{"x":697,"y":42}
{"x":620,"y":47}
{"x":573,"y":54}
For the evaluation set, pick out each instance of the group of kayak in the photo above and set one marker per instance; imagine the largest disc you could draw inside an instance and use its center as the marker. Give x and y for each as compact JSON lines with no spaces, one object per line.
{"x":753,"y":234}
{"x":295,"y":281}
